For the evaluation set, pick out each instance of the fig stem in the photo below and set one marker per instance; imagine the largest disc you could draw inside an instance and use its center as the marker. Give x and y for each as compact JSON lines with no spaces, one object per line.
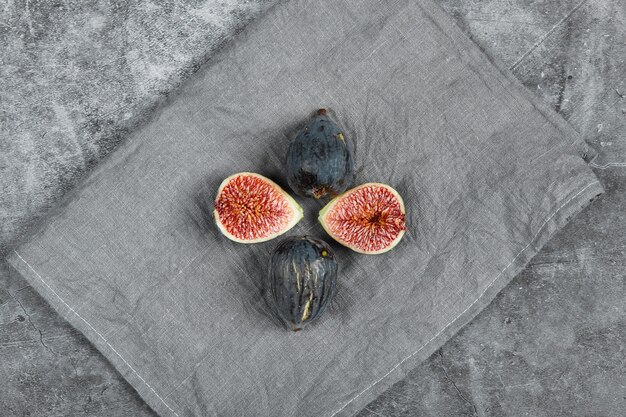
{"x":322,"y":112}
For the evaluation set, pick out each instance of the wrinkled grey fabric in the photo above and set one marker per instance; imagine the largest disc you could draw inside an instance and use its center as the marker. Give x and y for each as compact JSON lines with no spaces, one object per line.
{"x":488,"y":174}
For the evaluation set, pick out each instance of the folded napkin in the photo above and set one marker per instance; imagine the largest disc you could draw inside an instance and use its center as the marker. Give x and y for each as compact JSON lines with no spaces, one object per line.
{"x":133,"y":260}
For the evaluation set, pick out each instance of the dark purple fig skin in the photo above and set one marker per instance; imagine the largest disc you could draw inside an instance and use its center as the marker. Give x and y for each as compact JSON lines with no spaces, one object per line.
{"x":319,"y":160}
{"x":302,"y":280}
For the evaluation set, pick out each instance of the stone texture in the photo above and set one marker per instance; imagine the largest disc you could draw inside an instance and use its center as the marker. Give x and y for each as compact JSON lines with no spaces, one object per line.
{"x":48,"y":368}
{"x":550,"y":344}
{"x":580,"y":69}
{"x":76,"y":76}
{"x":571,"y":53}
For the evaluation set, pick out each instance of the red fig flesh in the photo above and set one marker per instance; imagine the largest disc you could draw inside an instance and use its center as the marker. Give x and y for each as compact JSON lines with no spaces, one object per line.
{"x":250,"y":208}
{"x":368,"y":219}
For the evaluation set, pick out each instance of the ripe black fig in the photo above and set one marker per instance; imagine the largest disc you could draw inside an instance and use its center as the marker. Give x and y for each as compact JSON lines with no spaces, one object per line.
{"x":302,"y":280}
{"x":319,"y":160}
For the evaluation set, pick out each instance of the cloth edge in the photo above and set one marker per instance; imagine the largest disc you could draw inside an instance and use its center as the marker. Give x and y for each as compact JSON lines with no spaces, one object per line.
{"x":38,"y":224}
{"x":134,"y":378}
{"x":476,"y":52}
{"x":553,"y":223}
{"x":158,"y":404}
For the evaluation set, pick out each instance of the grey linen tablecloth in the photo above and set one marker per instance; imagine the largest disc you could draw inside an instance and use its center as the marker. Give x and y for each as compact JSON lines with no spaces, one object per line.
{"x":132,"y":259}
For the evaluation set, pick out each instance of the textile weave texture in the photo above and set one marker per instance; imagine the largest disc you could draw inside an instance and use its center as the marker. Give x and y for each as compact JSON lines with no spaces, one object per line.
{"x":132,"y":259}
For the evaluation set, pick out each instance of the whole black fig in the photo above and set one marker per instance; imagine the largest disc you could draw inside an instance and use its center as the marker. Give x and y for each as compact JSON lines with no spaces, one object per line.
{"x":319,"y":160}
{"x":302,"y":280}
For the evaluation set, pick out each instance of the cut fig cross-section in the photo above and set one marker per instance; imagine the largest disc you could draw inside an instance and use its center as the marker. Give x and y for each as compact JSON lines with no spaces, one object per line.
{"x":368,"y":219}
{"x":250,"y":208}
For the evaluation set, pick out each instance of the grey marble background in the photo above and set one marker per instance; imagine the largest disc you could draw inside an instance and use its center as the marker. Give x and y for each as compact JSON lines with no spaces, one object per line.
{"x":75,"y":77}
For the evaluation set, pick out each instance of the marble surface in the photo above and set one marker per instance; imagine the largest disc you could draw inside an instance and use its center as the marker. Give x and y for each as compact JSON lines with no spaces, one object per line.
{"x":550,"y":345}
{"x":76,"y":76}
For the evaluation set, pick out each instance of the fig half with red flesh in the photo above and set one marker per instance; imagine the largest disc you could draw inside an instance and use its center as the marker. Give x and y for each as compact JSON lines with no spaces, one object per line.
{"x":250,"y":208}
{"x":368,"y":219}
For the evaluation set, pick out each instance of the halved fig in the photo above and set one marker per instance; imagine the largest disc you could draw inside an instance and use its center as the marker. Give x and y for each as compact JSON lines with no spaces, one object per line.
{"x":250,"y":208}
{"x":368,"y":219}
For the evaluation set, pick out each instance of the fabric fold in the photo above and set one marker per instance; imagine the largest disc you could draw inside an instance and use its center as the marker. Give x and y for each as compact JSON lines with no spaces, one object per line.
{"x":488,"y":174}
